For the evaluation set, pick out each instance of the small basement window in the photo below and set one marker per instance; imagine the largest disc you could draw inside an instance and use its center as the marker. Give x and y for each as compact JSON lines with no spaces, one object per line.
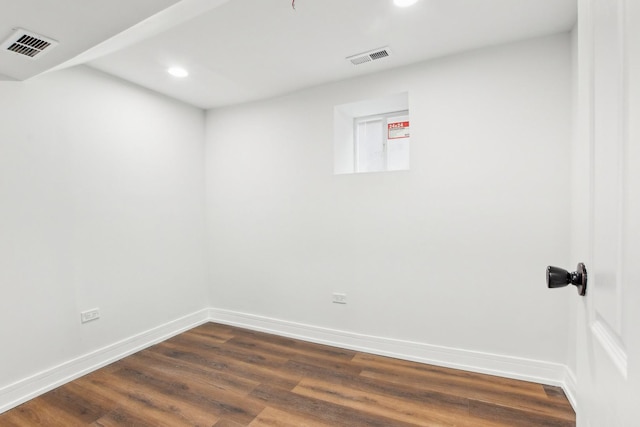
{"x":372,"y":135}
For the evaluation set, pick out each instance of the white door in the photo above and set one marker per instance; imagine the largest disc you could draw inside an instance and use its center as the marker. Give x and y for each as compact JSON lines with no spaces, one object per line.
{"x":608,"y":106}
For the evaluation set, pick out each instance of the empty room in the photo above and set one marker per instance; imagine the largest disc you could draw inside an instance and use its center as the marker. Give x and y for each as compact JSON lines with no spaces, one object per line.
{"x":320,"y":213}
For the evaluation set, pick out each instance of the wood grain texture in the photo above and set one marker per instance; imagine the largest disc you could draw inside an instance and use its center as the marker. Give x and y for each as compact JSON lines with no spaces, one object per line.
{"x":221,"y":376}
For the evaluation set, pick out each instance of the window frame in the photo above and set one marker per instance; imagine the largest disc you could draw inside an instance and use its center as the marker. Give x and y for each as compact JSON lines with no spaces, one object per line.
{"x":384,"y":117}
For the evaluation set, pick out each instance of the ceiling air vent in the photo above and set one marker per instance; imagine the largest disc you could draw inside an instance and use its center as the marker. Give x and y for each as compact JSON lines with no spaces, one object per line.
{"x":372,"y":55}
{"x":28,"y":44}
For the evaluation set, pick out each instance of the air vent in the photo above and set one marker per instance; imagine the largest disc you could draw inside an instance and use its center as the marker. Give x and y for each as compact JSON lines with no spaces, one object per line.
{"x":28,"y":44}
{"x":370,"y":56}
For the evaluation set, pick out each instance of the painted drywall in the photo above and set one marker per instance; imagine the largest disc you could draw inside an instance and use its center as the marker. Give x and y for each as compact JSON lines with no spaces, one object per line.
{"x":451,"y":253}
{"x":101,"y":205}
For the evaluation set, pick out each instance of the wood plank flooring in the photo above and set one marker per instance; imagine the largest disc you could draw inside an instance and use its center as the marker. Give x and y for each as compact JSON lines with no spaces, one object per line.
{"x":221,"y":376}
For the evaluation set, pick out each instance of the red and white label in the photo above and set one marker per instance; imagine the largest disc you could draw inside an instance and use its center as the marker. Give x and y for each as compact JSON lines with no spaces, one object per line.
{"x":398,"y":130}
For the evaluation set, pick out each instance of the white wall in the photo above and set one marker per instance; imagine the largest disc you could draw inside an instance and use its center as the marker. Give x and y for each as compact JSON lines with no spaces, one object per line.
{"x":451,"y":253}
{"x":101,"y":205}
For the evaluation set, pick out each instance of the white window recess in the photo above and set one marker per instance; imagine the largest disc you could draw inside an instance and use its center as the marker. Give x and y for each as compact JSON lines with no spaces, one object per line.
{"x":372,"y":135}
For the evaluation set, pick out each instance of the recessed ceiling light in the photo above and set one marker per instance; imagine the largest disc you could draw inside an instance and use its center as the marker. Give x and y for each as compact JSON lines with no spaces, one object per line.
{"x":178,"y":72}
{"x":404,"y":3}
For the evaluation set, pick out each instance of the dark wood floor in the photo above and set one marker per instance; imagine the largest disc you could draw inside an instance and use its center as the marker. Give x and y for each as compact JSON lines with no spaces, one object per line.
{"x":216,"y":375}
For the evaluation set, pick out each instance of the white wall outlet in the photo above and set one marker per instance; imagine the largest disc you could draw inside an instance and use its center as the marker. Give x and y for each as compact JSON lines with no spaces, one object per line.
{"x":339,"y":298}
{"x":89,"y":315}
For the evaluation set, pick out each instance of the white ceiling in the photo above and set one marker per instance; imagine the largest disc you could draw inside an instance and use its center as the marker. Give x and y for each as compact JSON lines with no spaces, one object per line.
{"x":243,"y":50}
{"x":76,"y":24}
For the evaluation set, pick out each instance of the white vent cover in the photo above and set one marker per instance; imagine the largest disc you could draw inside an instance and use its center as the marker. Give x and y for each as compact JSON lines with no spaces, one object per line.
{"x":372,"y":55}
{"x":28,"y":44}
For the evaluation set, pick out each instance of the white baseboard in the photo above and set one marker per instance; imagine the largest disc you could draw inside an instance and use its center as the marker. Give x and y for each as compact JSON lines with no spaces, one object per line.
{"x":474,"y":361}
{"x":35,"y":385}
{"x":570,"y":387}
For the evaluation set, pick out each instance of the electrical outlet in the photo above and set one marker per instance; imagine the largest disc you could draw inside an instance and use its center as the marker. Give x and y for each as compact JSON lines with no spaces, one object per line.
{"x":89,"y":315}
{"x":339,"y":298}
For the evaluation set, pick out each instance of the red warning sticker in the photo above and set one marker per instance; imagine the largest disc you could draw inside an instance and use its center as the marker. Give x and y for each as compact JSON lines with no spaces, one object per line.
{"x":398,"y":130}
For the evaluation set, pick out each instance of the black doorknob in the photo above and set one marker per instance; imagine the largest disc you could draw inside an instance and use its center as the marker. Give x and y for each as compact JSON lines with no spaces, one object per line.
{"x":558,"y":278}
